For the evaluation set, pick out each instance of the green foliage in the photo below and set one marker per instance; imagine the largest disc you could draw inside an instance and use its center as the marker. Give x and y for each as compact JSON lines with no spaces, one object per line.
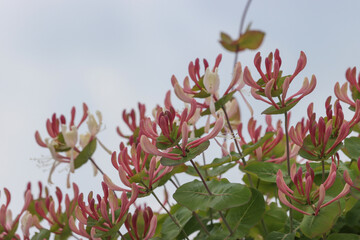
{"x":191,"y":154}
{"x":43,"y":234}
{"x":225,"y":195}
{"x":249,"y":40}
{"x":265,"y":171}
{"x":343,"y":236}
{"x":313,"y":226}
{"x":309,"y":147}
{"x":352,"y":147}
{"x":275,"y":218}
{"x":169,"y":229}
{"x":280,"y":236}
{"x":219,"y":103}
{"x":247,"y":149}
{"x":85,"y":154}
{"x":244,"y":217}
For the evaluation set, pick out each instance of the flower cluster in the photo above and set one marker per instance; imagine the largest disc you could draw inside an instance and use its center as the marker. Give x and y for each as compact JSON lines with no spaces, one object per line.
{"x":64,"y":142}
{"x":273,"y":85}
{"x":8,"y":225}
{"x":326,"y":134}
{"x":307,"y":193}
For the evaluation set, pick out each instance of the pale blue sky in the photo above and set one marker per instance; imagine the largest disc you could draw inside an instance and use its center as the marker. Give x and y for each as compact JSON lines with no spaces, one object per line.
{"x":112,"y":54}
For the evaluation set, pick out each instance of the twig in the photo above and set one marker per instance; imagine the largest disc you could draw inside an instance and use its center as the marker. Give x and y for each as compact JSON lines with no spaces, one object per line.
{"x":237,"y":145}
{"x":288,"y":164}
{"x":210,"y":193}
{"x":242,"y":22}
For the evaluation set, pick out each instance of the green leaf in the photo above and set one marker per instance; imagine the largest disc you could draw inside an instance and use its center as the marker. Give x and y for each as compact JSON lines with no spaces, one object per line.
{"x":61,"y":145}
{"x":266,"y":171}
{"x":247,"y":149}
{"x":191,"y":226}
{"x":213,"y":172}
{"x":313,"y":226}
{"x":65,"y":233}
{"x":280,"y":236}
{"x":251,"y":40}
{"x":243,"y":218}
{"x":85,"y":154}
{"x":228,"y":43}
{"x":220,"y":161}
{"x":112,"y":232}
{"x":308,"y":145}
{"x":273,"y":110}
{"x":194,"y":195}
{"x":275,"y":218}
{"x":352,"y":146}
{"x":163,"y":142}
{"x":137,"y":178}
{"x":43,"y":234}
{"x":12,"y":232}
{"x":343,"y":236}
{"x":202,"y":94}
{"x":219,"y":103}
{"x":193,"y":152}
{"x":169,"y":229}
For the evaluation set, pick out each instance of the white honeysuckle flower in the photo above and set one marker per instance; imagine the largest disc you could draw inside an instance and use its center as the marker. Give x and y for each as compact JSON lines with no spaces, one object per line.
{"x":211,"y":81}
{"x":71,"y":136}
{"x":84,"y":139}
{"x":26,"y":223}
{"x":196,"y":117}
{"x":93,"y":125}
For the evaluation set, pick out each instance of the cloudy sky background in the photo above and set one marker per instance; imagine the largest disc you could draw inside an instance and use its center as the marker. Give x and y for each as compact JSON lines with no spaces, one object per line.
{"x":113,"y":54}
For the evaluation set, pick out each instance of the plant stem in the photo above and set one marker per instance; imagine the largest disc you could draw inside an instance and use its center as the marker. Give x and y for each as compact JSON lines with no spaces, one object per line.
{"x":323,"y":170}
{"x":206,"y":172}
{"x":324,"y":236}
{"x":242,"y":22}
{"x":288,"y":164}
{"x":97,"y":166}
{"x":122,"y":236}
{"x":177,"y":181}
{"x":206,"y":175}
{"x":195,"y":215}
{"x":201,"y":223}
{"x":237,"y":145}
{"x":170,"y":215}
{"x":210,"y":193}
{"x":103,"y":146}
{"x":172,"y":181}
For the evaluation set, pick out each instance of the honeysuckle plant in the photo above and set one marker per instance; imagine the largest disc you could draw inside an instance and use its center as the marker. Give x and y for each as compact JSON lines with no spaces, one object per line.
{"x":297,"y":179}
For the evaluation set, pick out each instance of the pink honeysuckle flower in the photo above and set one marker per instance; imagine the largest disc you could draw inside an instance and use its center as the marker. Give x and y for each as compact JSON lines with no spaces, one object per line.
{"x":150,"y":147}
{"x":269,"y":86}
{"x":341,"y":92}
{"x":63,"y":139}
{"x":132,"y":123}
{"x":141,"y":217}
{"x":334,"y":127}
{"x":45,"y":208}
{"x":348,"y":179}
{"x":7,"y":223}
{"x":206,"y":84}
{"x":136,"y":163}
{"x":264,"y":152}
{"x":310,"y":194}
{"x":106,"y":205}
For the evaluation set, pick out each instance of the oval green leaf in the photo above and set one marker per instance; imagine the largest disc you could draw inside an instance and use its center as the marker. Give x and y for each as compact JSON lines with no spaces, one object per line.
{"x":225,"y":195}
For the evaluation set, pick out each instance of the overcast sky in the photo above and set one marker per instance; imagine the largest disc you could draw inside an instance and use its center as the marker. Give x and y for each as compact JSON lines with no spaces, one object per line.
{"x":113,"y":54}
